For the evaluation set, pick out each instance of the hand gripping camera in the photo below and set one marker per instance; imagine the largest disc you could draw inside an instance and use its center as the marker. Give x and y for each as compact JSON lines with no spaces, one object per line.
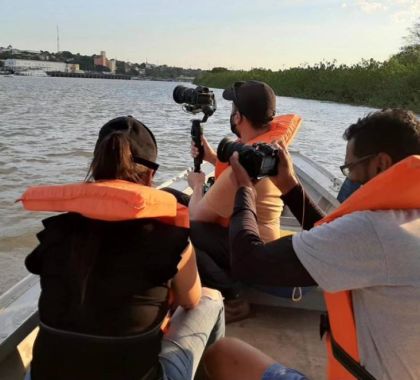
{"x":259,"y":159}
{"x":196,"y":100}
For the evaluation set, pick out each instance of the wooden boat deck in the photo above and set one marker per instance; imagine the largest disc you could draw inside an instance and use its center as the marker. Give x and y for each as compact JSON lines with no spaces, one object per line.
{"x":290,"y":336}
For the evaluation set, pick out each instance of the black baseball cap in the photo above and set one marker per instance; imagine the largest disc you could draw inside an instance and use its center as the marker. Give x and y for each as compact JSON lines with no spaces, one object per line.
{"x":143,"y":142}
{"x":254,"y":99}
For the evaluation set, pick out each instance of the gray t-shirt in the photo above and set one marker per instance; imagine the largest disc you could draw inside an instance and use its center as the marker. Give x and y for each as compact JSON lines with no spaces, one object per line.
{"x":376,"y":254}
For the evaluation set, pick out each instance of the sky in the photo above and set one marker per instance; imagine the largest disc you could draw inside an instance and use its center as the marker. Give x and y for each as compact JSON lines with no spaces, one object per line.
{"x":237,"y":34}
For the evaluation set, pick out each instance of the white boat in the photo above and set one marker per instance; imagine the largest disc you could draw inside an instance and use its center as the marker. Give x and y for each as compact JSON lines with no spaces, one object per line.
{"x":285,"y":329}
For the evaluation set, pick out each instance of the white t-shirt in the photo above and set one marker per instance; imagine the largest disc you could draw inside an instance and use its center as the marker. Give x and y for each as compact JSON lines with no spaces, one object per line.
{"x":376,"y":254}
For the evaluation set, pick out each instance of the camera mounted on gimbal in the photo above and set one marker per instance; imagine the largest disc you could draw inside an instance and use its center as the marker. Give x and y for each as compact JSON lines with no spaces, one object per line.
{"x":196,"y":100}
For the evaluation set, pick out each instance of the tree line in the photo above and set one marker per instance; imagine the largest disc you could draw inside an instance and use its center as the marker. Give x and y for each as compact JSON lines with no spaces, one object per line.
{"x":393,"y":83}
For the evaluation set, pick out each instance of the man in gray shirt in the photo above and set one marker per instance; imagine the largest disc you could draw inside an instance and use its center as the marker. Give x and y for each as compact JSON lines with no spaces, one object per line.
{"x":371,"y":248}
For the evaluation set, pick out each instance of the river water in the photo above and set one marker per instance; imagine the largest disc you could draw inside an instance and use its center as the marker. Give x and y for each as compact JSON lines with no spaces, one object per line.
{"x":48,"y":128}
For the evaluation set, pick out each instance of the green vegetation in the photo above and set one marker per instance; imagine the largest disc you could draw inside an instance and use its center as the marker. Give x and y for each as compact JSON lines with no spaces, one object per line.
{"x":393,"y":83}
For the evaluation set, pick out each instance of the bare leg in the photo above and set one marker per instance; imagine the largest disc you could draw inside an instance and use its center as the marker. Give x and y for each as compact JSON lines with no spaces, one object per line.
{"x":231,"y":358}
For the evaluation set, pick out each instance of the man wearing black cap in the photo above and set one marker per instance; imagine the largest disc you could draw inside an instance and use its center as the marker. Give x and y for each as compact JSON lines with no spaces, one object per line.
{"x":253,"y":109}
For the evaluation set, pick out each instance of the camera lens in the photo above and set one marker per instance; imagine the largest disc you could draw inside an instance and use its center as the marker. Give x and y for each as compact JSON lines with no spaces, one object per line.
{"x":184,"y":94}
{"x":226,"y":148}
{"x":223,"y":148}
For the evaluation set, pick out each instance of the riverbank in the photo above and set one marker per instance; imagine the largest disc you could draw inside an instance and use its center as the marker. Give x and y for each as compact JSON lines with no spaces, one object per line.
{"x":88,"y":75}
{"x":394,"y":83}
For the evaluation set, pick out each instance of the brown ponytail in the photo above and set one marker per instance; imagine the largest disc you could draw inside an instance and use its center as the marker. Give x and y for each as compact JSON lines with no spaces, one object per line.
{"x":113,"y":159}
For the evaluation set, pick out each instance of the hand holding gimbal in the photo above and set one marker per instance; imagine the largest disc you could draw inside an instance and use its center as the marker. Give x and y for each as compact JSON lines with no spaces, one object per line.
{"x":209,"y":153}
{"x":196,"y":133}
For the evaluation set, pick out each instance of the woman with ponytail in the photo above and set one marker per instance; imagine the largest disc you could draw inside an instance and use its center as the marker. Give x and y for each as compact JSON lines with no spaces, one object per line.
{"x":109,"y":284}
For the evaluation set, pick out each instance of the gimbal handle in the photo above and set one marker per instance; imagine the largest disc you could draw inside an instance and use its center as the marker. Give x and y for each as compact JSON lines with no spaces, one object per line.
{"x":196,"y":133}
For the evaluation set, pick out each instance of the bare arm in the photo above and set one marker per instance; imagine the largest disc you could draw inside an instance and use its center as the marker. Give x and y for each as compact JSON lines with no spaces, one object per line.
{"x":186,"y":285}
{"x":197,"y":207}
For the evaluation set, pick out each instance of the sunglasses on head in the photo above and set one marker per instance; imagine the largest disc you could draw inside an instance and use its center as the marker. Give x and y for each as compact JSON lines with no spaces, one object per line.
{"x":149,"y":164}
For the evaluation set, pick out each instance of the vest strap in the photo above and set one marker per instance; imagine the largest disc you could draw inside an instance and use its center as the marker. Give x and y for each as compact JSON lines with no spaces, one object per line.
{"x":341,"y":355}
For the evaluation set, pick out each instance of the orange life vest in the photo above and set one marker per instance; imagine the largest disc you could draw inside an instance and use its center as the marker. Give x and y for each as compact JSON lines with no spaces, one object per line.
{"x":283,"y":127}
{"x":396,"y":188}
{"x":110,"y":200}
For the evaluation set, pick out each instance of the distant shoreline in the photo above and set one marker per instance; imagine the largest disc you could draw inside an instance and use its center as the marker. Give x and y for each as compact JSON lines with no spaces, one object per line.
{"x":88,"y":75}
{"x":98,"y":76}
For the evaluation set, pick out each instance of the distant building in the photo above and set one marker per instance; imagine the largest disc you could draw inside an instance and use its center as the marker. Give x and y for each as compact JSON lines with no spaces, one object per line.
{"x":44,"y":56}
{"x":9,"y":49}
{"x":73,"y":68}
{"x":30,"y":51}
{"x":112,"y":65}
{"x":184,"y":78}
{"x":3,"y":49}
{"x":12,"y":50}
{"x":102,"y":60}
{"x":27,"y":64}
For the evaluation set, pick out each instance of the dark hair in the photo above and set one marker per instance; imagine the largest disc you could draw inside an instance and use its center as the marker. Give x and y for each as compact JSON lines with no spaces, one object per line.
{"x":254,"y":124}
{"x":113,"y":159}
{"x":392,"y":131}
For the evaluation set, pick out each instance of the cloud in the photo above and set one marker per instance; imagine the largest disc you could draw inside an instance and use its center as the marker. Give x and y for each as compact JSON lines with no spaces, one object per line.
{"x":408,"y":13}
{"x":369,"y":6}
{"x":398,"y":10}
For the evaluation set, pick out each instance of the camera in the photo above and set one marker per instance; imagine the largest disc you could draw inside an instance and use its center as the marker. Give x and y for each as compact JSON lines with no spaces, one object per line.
{"x":259,"y":159}
{"x":195,"y":100}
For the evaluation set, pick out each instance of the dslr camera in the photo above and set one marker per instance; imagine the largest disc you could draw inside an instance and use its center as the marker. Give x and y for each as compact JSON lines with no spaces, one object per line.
{"x":195,"y":100}
{"x":259,"y":159}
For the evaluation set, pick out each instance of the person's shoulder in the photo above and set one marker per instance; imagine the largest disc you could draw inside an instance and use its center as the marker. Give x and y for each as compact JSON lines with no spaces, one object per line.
{"x":391,"y":215}
{"x":389,"y":222}
{"x":223,"y":182}
{"x":364,"y":222}
{"x":357,"y":223}
{"x":63,"y":221}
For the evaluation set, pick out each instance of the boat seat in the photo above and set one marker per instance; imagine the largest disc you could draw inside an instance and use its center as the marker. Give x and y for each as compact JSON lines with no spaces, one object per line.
{"x":74,"y":355}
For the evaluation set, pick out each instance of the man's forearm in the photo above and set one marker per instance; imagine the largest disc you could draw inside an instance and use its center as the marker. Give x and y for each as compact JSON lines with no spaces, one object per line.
{"x":212,"y":158}
{"x":275,"y":263}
